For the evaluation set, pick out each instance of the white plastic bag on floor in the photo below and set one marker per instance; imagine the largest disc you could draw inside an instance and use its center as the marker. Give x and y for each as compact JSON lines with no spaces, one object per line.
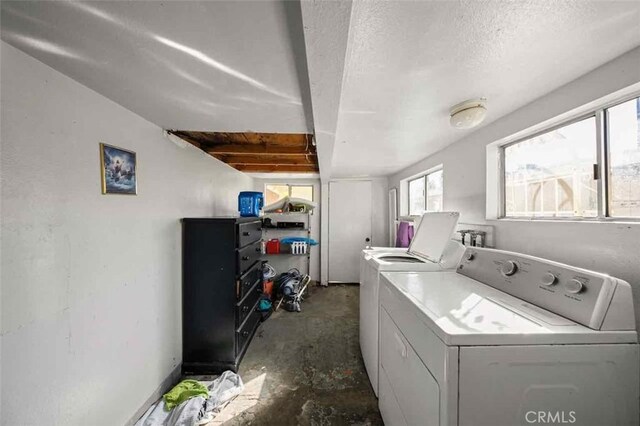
{"x":221,"y":390}
{"x":185,"y":414}
{"x":196,"y":410}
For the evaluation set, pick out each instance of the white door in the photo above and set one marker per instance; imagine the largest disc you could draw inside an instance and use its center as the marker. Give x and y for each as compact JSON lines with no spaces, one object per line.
{"x":349,"y":228}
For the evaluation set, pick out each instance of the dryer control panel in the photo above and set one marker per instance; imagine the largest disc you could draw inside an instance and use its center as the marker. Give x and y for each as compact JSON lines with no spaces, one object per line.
{"x":578,"y":294}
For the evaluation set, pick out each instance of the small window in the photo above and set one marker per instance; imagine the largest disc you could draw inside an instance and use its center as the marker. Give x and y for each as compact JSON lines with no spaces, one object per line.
{"x":623,"y":122}
{"x":552,"y":175}
{"x":416,"y":196}
{"x":276,"y":192}
{"x":426,"y":193}
{"x":434,"y":191}
{"x":588,"y":169}
{"x":273,"y":193}
{"x":302,"y":191}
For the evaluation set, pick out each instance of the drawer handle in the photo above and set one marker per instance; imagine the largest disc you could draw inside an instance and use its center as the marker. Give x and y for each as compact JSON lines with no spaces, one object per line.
{"x":401,"y":345}
{"x":245,"y":333}
{"x":245,"y":257}
{"x":246,"y":234}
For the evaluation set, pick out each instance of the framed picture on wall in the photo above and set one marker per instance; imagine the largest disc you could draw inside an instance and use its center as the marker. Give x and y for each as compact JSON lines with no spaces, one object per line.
{"x":118,"y":170}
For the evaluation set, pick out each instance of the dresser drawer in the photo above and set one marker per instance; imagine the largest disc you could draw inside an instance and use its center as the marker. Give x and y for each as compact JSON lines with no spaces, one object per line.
{"x":246,"y":281}
{"x":243,"y":335}
{"x":243,"y":308}
{"x":249,"y":233}
{"x":249,"y":255}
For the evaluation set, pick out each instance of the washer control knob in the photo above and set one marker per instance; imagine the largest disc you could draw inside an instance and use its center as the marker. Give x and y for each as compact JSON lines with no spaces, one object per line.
{"x":574,"y":286}
{"x":470,"y":256}
{"x":509,"y":268}
{"x":549,"y":279}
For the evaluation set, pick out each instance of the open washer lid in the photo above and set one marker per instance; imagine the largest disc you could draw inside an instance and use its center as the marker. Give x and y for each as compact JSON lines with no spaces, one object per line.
{"x":432,"y":235}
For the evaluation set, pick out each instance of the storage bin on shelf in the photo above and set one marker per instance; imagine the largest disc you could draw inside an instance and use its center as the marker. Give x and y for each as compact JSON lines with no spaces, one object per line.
{"x":296,"y":248}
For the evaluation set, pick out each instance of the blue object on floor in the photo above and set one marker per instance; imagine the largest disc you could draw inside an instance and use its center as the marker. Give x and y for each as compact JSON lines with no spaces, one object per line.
{"x":250,"y":203}
{"x":264,"y":305}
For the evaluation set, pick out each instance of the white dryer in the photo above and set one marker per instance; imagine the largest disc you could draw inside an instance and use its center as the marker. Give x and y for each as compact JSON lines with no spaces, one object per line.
{"x":431,"y":250}
{"x":507,"y":339}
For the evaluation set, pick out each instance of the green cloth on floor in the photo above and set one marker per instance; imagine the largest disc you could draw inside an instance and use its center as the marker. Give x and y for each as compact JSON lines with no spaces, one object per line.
{"x":183,"y":391}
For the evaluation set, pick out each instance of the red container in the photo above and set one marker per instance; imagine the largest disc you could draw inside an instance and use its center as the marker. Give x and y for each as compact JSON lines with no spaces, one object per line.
{"x":267,"y":288}
{"x":273,"y":246}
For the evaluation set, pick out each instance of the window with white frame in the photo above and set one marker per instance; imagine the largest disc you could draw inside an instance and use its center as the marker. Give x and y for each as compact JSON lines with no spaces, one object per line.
{"x":587,"y":168}
{"x":425,"y":193}
{"x":276,"y":192}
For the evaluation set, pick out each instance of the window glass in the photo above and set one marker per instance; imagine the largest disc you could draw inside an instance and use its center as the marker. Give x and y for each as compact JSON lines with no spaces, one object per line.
{"x":302,"y":191}
{"x":434,"y":191}
{"x":274,"y":193}
{"x":624,"y":159}
{"x":551,"y":175}
{"x":416,"y":196}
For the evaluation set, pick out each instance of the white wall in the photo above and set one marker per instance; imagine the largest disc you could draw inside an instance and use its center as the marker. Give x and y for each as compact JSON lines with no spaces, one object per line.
{"x":91,"y":317}
{"x":284,"y":263}
{"x":608,"y":247}
{"x":380,"y":212}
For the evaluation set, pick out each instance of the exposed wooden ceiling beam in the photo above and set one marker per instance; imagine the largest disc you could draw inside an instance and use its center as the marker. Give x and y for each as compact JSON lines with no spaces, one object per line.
{"x":186,"y":137}
{"x":259,"y":168}
{"x":256,"y":149}
{"x":257,"y":152}
{"x":226,"y":138}
{"x":268,"y":159}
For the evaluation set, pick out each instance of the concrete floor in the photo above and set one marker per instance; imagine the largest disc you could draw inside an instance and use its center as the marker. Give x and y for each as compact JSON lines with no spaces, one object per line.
{"x":305,"y":368}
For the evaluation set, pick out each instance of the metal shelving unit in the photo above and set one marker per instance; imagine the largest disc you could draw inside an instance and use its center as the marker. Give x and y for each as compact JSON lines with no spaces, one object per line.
{"x":274,"y":232}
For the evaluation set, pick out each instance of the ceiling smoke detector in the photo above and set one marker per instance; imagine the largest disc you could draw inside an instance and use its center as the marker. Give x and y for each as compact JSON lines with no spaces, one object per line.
{"x":468,"y":114}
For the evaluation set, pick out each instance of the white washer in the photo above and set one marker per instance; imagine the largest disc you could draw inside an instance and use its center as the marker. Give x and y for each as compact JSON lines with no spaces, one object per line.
{"x":431,"y":250}
{"x":507,"y":339}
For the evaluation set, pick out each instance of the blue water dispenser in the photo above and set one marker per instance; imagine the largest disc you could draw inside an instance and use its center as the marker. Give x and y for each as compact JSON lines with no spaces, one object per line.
{"x":250,"y":203}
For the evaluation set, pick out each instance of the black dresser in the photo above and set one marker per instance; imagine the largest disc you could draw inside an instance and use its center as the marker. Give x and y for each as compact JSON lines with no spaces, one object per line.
{"x":221,"y":287}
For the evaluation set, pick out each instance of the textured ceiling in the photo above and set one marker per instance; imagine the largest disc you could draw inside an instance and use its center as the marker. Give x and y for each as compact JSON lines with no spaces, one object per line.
{"x":326,"y":30}
{"x":373,"y":80}
{"x":197,"y":65}
{"x":408,"y":62}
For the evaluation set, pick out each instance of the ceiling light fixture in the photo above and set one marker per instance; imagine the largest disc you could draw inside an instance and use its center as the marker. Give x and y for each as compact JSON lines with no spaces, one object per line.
{"x":468,"y":114}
